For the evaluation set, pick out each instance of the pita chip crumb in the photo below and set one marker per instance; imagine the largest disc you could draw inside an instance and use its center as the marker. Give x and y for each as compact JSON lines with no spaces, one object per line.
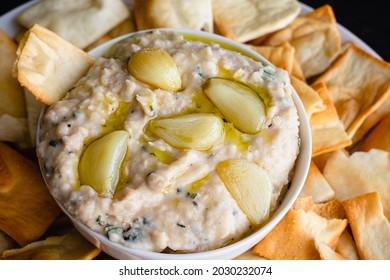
{"x":370,"y":227}
{"x":26,"y":207}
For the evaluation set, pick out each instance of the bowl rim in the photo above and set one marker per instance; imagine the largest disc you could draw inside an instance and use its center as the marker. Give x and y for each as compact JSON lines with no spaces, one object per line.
{"x":301,"y":167}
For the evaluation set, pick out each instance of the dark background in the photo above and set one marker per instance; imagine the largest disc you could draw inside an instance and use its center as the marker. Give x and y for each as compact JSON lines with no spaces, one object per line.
{"x":369,"y":20}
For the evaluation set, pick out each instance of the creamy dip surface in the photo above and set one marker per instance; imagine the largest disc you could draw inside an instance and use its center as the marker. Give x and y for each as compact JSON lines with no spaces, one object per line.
{"x":167,"y":199}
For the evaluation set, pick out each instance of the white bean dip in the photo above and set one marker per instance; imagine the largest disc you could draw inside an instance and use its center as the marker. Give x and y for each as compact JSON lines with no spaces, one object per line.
{"x":168,"y":199}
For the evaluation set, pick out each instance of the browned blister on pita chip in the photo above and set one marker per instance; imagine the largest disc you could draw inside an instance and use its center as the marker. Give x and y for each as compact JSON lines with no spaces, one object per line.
{"x":379,"y":138}
{"x":11,"y":93}
{"x":261,"y":17}
{"x":328,"y":133}
{"x":48,"y":66}
{"x":78,"y":22}
{"x":174,"y":14}
{"x":358,"y":84}
{"x":310,"y":98}
{"x":370,"y":227}
{"x":360,"y":173}
{"x":71,"y":246}
{"x":293,"y":237}
{"x":315,"y":38}
{"x":327,"y":253}
{"x":346,"y":246}
{"x":316,"y":186}
{"x":26,"y":207}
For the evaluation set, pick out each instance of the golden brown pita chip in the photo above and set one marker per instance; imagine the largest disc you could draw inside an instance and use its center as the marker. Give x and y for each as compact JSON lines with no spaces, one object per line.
{"x":315,"y":37}
{"x":310,"y":98}
{"x":71,"y":246}
{"x":370,"y":228}
{"x":293,"y":238}
{"x":26,"y":207}
{"x":346,"y":246}
{"x":11,"y":94}
{"x":328,"y":210}
{"x":124,"y":27}
{"x":360,"y":173}
{"x":174,"y":13}
{"x":358,"y":84}
{"x":249,"y":19}
{"x":78,"y":22}
{"x":327,"y":253}
{"x":316,"y":186}
{"x":328,"y":133}
{"x":379,"y":138}
{"x":282,"y":56}
{"x":297,"y":70}
{"x":374,"y":118}
{"x":48,"y":66}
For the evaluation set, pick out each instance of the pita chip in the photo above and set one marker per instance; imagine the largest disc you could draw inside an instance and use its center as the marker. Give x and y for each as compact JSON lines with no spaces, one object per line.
{"x":328,"y":210}
{"x":346,"y":246}
{"x":373,"y":119}
{"x":315,"y":38}
{"x":316,"y":186}
{"x":310,"y":98}
{"x":327,"y":253}
{"x":249,"y":19}
{"x":358,"y":174}
{"x":358,"y":84}
{"x":11,"y":93}
{"x":328,"y":133}
{"x":48,"y":66}
{"x":379,"y":138}
{"x":26,"y":207}
{"x":370,"y":227}
{"x":79,"y":22}
{"x":174,"y":13}
{"x":293,"y":238}
{"x":71,"y":246}
{"x":281,"y":56}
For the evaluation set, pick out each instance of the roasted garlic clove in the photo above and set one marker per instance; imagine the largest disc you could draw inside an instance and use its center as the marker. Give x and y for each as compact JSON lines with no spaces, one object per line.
{"x":193,"y":131}
{"x":155,"y":67}
{"x":238,"y":103}
{"x":101,"y":161}
{"x":249,"y":185}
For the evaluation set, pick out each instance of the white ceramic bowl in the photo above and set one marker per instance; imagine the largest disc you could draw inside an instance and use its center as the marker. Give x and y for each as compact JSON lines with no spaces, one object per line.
{"x":231,"y":251}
